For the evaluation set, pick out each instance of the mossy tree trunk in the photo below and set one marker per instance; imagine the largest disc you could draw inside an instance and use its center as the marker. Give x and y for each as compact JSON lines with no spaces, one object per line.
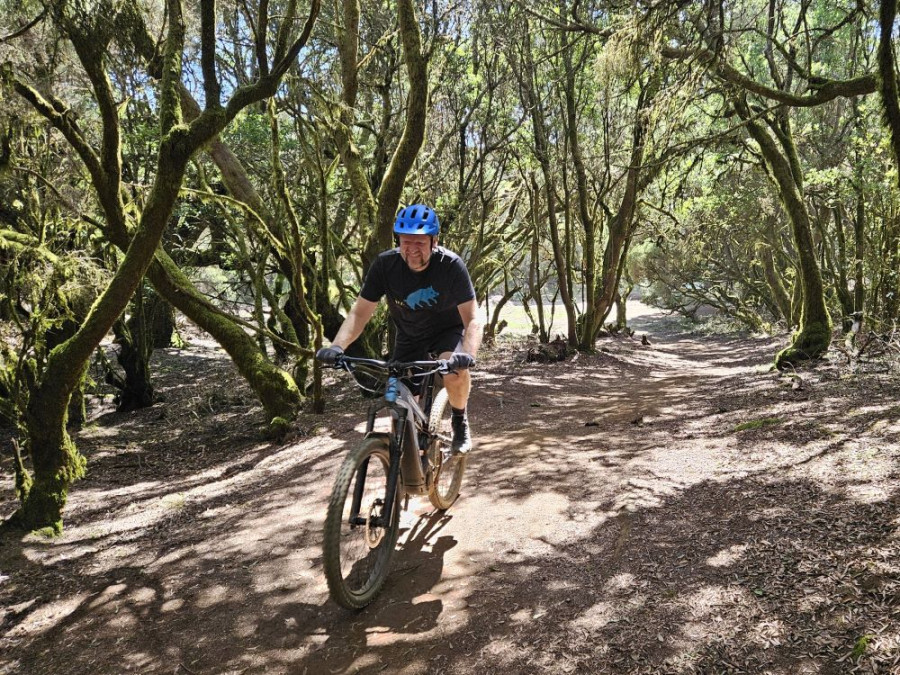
{"x":780,"y":297}
{"x":767,"y":252}
{"x":376,"y":209}
{"x":887,"y":77}
{"x":813,"y":335}
{"x":621,"y":225}
{"x":56,"y":460}
{"x":135,"y":342}
{"x":890,"y":105}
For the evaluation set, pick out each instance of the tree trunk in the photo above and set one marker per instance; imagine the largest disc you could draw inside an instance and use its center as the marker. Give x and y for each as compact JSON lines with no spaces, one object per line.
{"x":532,"y":100}
{"x":621,"y":312}
{"x":161,"y":317}
{"x":494,"y":326}
{"x":55,"y":458}
{"x":813,"y":335}
{"x":842,"y":287}
{"x":137,"y":387}
{"x":621,"y":225}
{"x":780,"y":297}
{"x":887,"y":77}
{"x":151,"y":326}
{"x":535,"y":283}
{"x":586,"y":338}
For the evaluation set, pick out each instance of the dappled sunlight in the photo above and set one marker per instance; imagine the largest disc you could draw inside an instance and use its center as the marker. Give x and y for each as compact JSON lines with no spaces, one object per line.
{"x":645,"y":494}
{"x":614,"y":513}
{"x":511,"y":523}
{"x":857,"y":463}
{"x":176,"y":500}
{"x":866,"y":410}
{"x":47,"y":616}
{"x":598,"y":616}
{"x":727,"y":557}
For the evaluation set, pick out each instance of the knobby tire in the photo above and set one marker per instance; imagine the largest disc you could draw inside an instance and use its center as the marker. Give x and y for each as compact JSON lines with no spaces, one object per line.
{"x":357,"y":557}
{"x":448,"y":469}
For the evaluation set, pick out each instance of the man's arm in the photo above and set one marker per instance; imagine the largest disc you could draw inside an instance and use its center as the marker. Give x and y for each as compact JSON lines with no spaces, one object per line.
{"x":468,"y":311}
{"x":353,"y":325}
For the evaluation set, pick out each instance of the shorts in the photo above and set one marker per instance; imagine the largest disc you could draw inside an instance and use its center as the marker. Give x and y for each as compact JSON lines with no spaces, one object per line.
{"x":406,"y":349}
{"x":411,"y":349}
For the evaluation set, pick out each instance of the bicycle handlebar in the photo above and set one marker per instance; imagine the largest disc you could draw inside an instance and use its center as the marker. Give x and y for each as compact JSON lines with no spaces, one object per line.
{"x":395,"y":368}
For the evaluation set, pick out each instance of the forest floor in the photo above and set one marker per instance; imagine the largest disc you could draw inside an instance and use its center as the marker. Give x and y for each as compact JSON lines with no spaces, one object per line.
{"x":671,"y":508}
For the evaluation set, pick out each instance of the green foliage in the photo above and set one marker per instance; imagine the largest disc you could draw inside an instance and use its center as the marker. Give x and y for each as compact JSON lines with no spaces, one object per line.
{"x":44,"y":296}
{"x":696,"y":261}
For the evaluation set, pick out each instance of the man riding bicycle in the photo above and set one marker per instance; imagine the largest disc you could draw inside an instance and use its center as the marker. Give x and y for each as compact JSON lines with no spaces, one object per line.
{"x":431,"y":301}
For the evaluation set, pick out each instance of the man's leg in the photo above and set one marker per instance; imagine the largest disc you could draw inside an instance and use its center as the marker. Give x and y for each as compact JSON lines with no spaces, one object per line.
{"x":458,"y":386}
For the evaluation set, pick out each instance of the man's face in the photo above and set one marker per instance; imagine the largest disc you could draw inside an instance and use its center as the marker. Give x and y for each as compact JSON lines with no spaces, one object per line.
{"x":415,"y":249}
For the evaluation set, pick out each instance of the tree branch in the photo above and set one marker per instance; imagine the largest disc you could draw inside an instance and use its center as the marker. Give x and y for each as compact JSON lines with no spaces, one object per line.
{"x":211,"y":87}
{"x":824,"y":90}
{"x":31,"y":24}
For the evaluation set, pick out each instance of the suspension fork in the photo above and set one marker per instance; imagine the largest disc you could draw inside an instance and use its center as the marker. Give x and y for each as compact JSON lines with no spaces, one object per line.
{"x":395,"y":452}
{"x":393,"y":479}
{"x":358,"y":486}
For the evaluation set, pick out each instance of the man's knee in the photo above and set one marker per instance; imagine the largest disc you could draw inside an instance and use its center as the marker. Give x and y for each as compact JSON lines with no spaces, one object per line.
{"x":457,"y":379}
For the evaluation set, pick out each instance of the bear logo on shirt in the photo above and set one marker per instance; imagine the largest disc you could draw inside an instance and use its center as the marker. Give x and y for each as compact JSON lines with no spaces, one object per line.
{"x":424,"y":297}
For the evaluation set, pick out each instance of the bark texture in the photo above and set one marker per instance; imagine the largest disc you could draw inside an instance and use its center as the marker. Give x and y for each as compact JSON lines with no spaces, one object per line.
{"x":813,"y":335}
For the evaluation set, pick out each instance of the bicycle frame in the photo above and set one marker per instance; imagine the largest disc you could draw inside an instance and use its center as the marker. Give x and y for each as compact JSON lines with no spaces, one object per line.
{"x":413,"y":456}
{"x":409,"y":435}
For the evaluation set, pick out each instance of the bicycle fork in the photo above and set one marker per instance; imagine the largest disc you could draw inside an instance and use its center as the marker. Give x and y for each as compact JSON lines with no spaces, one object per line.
{"x":397,"y":442}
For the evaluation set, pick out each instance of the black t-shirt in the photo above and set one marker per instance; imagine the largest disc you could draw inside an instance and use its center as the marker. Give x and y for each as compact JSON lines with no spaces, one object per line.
{"x":422,"y":304}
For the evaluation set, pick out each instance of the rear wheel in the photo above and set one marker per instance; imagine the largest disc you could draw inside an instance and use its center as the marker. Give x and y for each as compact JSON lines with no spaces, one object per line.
{"x":357,"y":554}
{"x":447,"y":469}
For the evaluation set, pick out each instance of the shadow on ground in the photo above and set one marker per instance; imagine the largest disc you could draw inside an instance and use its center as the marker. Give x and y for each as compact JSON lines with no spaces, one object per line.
{"x":614,"y":520}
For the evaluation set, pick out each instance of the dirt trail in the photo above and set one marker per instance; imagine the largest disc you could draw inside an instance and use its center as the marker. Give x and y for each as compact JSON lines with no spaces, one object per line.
{"x":612,"y":521}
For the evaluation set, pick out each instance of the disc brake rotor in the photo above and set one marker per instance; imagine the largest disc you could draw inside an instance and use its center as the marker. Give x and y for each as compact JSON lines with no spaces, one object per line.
{"x":374,"y":533}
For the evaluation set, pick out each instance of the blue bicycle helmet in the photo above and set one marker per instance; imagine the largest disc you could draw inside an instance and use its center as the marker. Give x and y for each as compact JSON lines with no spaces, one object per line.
{"x":417,"y":219}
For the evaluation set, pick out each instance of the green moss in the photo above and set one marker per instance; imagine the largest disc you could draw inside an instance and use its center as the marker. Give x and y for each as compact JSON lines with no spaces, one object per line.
{"x":43,"y":505}
{"x":860,"y":647}
{"x":24,"y":481}
{"x":758,"y":424}
{"x":809,"y":343}
{"x":42,"y":510}
{"x":50,"y":531}
{"x":278,"y":428}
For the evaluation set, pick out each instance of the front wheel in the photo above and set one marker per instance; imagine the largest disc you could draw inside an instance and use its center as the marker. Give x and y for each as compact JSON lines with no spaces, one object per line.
{"x":357,"y":547}
{"x":447,"y":469}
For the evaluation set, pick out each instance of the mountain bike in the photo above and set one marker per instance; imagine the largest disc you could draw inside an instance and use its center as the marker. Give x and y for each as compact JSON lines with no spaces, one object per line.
{"x":413,"y":458}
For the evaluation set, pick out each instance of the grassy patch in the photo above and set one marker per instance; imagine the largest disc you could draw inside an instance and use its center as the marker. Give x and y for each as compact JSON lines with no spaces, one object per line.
{"x":758,"y":424}
{"x":175,"y":502}
{"x":860,"y":647}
